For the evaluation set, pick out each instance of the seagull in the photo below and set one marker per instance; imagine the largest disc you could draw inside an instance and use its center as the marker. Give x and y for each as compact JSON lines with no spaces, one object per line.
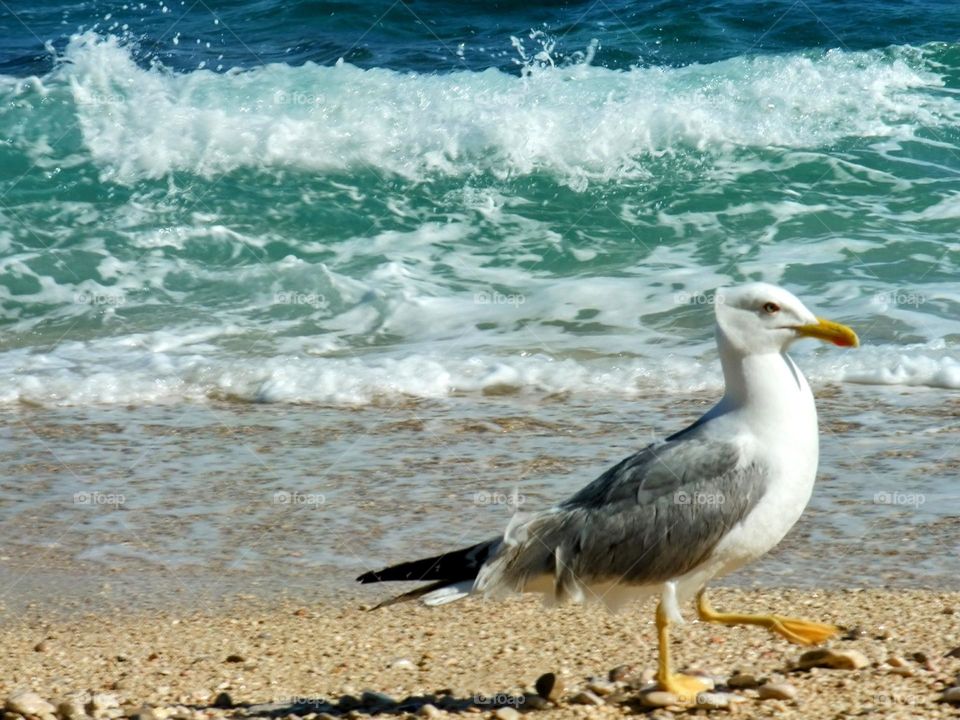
{"x":682,"y":511}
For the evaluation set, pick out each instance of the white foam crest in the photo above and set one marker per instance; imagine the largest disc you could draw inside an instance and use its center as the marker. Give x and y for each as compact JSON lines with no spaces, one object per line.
{"x":580,"y":123}
{"x":177,"y":368}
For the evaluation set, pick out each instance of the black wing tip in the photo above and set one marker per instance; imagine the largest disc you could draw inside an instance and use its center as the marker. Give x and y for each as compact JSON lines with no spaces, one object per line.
{"x":369,"y":577}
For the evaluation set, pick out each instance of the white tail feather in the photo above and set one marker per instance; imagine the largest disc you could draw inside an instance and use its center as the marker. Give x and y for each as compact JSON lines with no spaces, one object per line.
{"x":448,"y":594}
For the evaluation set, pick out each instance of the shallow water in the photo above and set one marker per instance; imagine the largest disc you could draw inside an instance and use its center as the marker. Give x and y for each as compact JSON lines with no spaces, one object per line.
{"x":186,"y":505}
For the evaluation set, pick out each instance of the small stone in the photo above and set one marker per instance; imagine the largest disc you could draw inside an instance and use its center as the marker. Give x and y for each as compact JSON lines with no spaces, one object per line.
{"x":506,"y":713}
{"x":73,"y":707}
{"x":372,"y":698}
{"x":550,"y":687}
{"x":951,"y":695}
{"x":716,"y":700}
{"x":42,"y":646}
{"x":586,"y":697}
{"x":836,"y":659}
{"x":659,"y":698}
{"x":621,"y":673}
{"x":429,"y":711}
{"x":742,"y":681}
{"x":948,"y":610}
{"x":28,"y":703}
{"x":100,"y":703}
{"x":223,"y":700}
{"x":403,"y":664}
{"x":777,"y":691}
{"x":920,"y":657}
{"x":601,"y":687}
{"x":896,"y":661}
{"x":233,"y":658}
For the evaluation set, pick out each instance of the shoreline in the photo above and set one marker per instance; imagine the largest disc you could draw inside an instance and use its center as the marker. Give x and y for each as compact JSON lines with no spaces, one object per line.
{"x":287,"y":657}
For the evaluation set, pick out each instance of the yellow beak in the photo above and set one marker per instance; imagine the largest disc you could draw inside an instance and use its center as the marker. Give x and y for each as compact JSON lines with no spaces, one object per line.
{"x":829,"y":331}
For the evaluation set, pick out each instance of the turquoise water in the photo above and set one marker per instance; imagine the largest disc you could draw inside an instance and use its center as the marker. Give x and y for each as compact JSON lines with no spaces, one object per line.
{"x":336,"y":248}
{"x":549,"y":212}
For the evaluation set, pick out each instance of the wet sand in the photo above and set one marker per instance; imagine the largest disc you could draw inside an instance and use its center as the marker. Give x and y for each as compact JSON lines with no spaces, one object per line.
{"x":269,"y":499}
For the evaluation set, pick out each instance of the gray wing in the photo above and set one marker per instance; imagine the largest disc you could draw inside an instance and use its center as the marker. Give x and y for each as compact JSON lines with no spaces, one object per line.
{"x":654,"y":516}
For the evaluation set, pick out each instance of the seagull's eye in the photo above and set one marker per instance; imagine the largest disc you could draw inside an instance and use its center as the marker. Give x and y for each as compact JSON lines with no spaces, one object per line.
{"x":771,"y":308}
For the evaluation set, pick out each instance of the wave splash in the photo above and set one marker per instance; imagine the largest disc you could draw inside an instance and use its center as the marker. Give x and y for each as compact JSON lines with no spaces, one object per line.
{"x":578,"y":122}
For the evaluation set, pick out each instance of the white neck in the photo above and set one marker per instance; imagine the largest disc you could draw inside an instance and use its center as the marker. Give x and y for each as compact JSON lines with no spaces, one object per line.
{"x":767,"y":389}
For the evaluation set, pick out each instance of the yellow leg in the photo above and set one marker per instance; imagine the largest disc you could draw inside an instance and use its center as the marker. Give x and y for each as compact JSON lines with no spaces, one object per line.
{"x":685,"y":687}
{"x":801,"y":632}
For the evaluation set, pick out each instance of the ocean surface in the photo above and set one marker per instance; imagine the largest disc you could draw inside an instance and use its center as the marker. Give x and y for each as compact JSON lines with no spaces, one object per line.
{"x":347,"y":249}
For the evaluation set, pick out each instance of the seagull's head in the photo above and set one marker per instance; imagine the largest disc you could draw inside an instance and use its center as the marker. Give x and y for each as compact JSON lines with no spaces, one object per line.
{"x":761,"y":318}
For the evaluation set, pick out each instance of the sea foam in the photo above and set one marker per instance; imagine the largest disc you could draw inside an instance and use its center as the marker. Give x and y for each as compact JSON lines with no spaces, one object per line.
{"x":578,"y":122}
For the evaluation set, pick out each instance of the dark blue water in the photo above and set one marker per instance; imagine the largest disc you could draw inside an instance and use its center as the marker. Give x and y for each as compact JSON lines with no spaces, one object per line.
{"x":436,"y":36}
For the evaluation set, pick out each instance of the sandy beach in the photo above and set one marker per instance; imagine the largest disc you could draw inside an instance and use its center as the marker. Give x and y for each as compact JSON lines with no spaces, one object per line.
{"x":252,"y":658}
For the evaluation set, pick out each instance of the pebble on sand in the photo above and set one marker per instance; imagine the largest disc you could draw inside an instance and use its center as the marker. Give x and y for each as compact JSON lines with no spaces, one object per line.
{"x":601,"y":687}
{"x":73,"y":707}
{"x":836,"y":659}
{"x":506,"y":713}
{"x":717,"y":700}
{"x":659,"y":699}
{"x":26,"y":702}
{"x":372,"y":698}
{"x":778,"y":691}
{"x":742,"y":681}
{"x":101,"y":703}
{"x":951,"y":695}
{"x":550,"y":687}
{"x":429,"y":711}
